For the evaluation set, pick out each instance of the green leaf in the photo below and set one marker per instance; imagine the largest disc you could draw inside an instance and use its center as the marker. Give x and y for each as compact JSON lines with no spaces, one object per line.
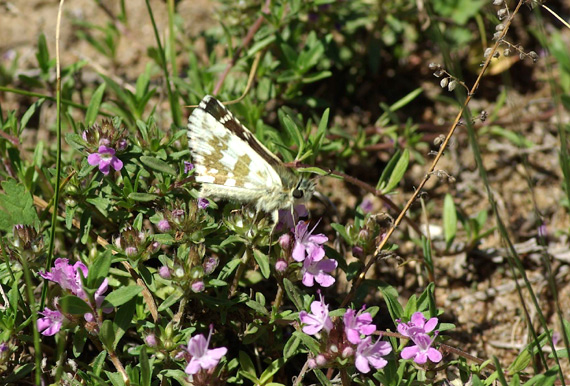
{"x":73,"y":305}
{"x":30,"y":112}
{"x":94,"y":105}
{"x":342,"y":231}
{"x":158,"y":165}
{"x":293,"y":294}
{"x":323,"y":380}
{"x":98,"y":362}
{"x":263,"y":262}
{"x":142,"y":197}
{"x":449,"y":219}
{"x":321,"y":131}
{"x":16,"y":206}
{"x":271,"y":370}
{"x":123,"y":320}
{"x":398,"y":172}
{"x":386,"y":173}
{"x":411,"y":306}
{"x":247,"y":366}
{"x":43,"y":54}
{"x":406,"y":99}
{"x":308,"y":341}
{"x":257,"y":307}
{"x":293,"y":131}
{"x":291,"y":348}
{"x":146,"y":371}
{"x":122,"y":295}
{"x":99,"y":269}
{"x":107,"y":334}
{"x":391,"y":298}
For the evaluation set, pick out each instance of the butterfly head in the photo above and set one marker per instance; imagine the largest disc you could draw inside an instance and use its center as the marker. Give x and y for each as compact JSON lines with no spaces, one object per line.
{"x":304,"y":189}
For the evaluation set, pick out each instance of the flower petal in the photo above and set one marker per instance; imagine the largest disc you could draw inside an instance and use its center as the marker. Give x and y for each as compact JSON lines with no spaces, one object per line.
{"x":94,"y":159}
{"x":430,"y":325}
{"x":409,"y":352}
{"x":434,"y":355}
{"x":116,"y":163}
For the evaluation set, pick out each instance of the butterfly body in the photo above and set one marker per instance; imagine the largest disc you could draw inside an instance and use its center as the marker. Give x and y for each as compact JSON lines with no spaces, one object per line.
{"x":232,"y":164}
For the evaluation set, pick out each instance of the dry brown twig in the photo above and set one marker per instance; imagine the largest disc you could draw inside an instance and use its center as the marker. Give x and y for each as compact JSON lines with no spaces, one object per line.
{"x":433,"y":165}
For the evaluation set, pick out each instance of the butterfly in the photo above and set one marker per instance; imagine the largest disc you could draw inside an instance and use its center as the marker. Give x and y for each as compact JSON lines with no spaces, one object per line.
{"x":232,"y":164}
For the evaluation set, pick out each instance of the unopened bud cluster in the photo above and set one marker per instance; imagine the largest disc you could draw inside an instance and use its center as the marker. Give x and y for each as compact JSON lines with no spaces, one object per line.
{"x":510,"y":49}
{"x":448,"y":80}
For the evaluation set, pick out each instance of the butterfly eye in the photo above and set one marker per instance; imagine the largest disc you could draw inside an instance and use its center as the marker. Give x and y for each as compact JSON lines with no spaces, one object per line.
{"x":297,"y":193}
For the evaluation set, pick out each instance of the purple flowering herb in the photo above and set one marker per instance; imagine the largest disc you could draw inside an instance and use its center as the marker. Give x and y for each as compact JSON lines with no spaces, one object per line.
{"x":51,"y":322}
{"x":356,"y":324}
{"x":200,"y":356}
{"x":203,"y":203}
{"x":68,"y":277}
{"x":418,"y":324}
{"x":318,"y":270}
{"x":105,"y":158}
{"x":368,"y":354}
{"x":422,"y":350}
{"x":318,"y":319}
{"x":188,"y":167}
{"x":307,"y":244}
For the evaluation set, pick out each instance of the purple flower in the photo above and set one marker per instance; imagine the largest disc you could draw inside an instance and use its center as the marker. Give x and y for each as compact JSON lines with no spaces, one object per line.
{"x":422,"y":350}
{"x":67,"y":276}
{"x":308,"y":245}
{"x":417,"y":325}
{"x":203,"y":203}
{"x":371,"y":354}
{"x":188,"y":167}
{"x":51,"y":323}
{"x":318,"y":319}
{"x":106,"y":159}
{"x":200,"y":356}
{"x":356,"y":324}
{"x":314,"y":270}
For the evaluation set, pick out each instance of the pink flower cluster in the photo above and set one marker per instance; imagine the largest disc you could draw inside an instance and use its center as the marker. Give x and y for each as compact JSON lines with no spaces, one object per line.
{"x":357,"y":330}
{"x":68,"y":277}
{"x":417,"y":330}
{"x":308,"y":249}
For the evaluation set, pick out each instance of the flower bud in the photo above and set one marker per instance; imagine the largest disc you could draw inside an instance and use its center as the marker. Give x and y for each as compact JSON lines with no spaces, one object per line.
{"x":150,"y":340}
{"x":210,"y":265}
{"x":198,"y":286}
{"x":163,"y":226}
{"x":281,"y":266}
{"x":321,"y":360}
{"x":164,"y":272}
